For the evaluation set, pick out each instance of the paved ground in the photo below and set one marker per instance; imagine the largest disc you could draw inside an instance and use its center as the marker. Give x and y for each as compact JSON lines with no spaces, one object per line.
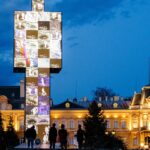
{"x":38,"y":147}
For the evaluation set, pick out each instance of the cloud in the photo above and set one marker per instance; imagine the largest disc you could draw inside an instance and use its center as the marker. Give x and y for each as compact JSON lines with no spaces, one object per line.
{"x":74,"y":44}
{"x":72,"y":38}
{"x":77,"y":12}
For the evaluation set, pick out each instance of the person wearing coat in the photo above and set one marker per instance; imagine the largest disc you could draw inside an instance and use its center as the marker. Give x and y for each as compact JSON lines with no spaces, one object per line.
{"x":63,"y":137}
{"x":30,"y":134}
{"x":52,"y":136}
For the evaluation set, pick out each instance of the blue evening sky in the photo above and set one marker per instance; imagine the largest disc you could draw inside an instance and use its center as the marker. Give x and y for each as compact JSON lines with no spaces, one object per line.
{"x":105,"y":43}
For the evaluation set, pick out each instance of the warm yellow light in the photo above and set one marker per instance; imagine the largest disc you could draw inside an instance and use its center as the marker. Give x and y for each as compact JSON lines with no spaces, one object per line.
{"x":16,"y":127}
{"x":107,"y":116}
{"x":141,"y":123}
{"x":146,"y":146}
{"x":130,"y":126}
{"x":106,"y":133}
{"x":55,"y":116}
{"x":145,"y":116}
{"x":142,"y":144}
{"x":79,"y":116}
{"x":115,"y":116}
{"x":149,"y":126}
{"x":124,"y":116}
{"x":135,"y":125}
{"x":113,"y":132}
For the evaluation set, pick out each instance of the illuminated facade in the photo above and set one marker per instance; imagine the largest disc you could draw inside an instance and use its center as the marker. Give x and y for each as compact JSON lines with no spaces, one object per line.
{"x":37,"y":52}
{"x":130,"y":121}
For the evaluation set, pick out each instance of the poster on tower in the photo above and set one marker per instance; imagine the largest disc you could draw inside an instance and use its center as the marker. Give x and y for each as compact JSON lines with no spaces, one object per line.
{"x":38,"y":52}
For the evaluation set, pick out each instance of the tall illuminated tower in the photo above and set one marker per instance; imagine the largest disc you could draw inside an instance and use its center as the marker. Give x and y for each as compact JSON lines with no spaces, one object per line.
{"x":37,"y":52}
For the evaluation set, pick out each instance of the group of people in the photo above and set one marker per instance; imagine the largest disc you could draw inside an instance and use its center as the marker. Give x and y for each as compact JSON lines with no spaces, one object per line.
{"x":62,"y":135}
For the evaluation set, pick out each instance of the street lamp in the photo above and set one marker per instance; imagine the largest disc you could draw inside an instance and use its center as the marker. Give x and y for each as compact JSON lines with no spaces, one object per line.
{"x":110,"y":132}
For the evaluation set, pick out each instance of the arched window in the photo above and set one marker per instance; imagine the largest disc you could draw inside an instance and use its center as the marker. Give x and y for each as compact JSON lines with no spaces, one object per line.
{"x":21,"y":124}
{"x":56,"y":123}
{"x":71,"y":124}
{"x":108,"y":124}
{"x":115,"y":124}
{"x":135,"y":141}
{"x":64,"y":122}
{"x":123,"y":124}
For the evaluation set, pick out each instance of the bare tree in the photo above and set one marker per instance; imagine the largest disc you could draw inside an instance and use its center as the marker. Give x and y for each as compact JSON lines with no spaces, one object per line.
{"x":103,"y":92}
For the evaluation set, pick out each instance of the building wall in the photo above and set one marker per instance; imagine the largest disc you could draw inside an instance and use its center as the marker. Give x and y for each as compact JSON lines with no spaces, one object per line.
{"x":131,"y":125}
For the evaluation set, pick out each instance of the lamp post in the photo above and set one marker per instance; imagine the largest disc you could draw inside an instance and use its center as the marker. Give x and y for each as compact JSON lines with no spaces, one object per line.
{"x":113,"y":132}
{"x":110,"y":132}
{"x":111,"y":135}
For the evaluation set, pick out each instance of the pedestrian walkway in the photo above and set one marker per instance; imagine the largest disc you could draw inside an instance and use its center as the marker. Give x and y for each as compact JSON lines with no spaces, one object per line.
{"x":39,"y":147}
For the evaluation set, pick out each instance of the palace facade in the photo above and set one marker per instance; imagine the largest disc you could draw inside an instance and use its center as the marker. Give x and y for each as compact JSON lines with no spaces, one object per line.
{"x":128,"y":120}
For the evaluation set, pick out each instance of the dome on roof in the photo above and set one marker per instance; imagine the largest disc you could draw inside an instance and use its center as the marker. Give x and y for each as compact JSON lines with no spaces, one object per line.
{"x":3,"y":98}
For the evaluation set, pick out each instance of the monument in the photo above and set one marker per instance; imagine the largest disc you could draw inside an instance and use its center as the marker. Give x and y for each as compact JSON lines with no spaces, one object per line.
{"x":37,"y":52}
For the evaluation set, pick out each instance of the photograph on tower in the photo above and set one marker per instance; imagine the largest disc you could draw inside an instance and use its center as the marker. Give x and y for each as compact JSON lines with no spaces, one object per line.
{"x":43,"y":100}
{"x":31,"y":100}
{"x":31,"y":72}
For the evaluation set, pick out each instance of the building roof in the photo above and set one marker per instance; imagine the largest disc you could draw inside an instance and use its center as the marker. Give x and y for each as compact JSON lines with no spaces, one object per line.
{"x":109,"y":104}
{"x":120,"y":104}
{"x":136,"y":99}
{"x":141,"y":100}
{"x":67,"y":105}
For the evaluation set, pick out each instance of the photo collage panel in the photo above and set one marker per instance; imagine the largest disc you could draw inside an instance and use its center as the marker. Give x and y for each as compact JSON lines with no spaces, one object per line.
{"x":38,"y":38}
{"x":37,"y":95}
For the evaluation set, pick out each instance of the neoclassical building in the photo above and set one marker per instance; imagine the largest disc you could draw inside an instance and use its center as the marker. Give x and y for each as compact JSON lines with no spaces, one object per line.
{"x":130,"y":120}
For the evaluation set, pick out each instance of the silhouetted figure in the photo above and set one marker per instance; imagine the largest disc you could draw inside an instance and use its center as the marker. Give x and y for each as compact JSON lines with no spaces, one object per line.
{"x":80,"y":136}
{"x":52,"y":136}
{"x":63,"y":137}
{"x":30,"y":135}
{"x":2,"y":140}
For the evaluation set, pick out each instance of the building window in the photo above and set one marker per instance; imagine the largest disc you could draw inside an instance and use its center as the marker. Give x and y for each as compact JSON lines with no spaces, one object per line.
{"x":115,"y":124}
{"x":80,"y":122}
{"x":135,"y":124}
{"x":56,"y":123}
{"x":71,"y":124}
{"x":107,"y":124}
{"x":64,"y":122}
{"x":115,"y":105}
{"x":99,"y":105}
{"x":123,"y":124}
{"x":135,"y":141}
{"x":67,"y":105}
{"x":145,"y":123}
{"x":21,"y":124}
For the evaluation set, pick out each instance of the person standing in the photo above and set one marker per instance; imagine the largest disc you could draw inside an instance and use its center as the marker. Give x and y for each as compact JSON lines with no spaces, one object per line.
{"x":63,"y":137}
{"x":80,"y":136}
{"x":30,"y":135}
{"x":52,"y":136}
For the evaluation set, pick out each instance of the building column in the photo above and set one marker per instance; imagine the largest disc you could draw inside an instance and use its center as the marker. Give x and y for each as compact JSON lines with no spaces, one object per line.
{"x":16,"y":122}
